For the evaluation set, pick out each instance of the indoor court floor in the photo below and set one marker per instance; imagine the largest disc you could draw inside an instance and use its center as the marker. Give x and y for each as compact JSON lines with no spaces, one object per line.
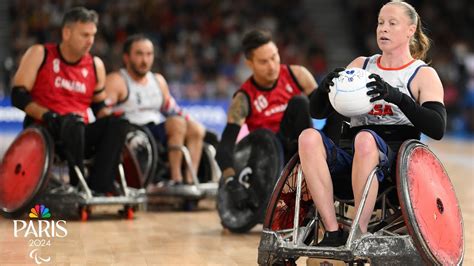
{"x":165,"y":237}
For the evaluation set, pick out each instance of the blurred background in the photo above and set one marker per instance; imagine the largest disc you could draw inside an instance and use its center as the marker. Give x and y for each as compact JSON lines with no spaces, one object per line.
{"x":197,"y":44}
{"x":197,"y":49}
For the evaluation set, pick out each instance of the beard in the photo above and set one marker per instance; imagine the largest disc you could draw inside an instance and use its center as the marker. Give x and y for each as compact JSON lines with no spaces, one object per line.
{"x":139,"y":71}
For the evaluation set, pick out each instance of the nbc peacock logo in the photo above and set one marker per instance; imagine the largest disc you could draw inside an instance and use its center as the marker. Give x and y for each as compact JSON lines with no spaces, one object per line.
{"x":40,"y":212}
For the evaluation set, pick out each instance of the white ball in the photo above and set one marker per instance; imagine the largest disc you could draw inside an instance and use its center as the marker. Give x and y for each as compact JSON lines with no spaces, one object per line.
{"x":349,"y":96}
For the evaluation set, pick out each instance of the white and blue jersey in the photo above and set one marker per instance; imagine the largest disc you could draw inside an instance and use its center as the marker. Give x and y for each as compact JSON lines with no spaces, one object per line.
{"x":143,"y":102}
{"x":385,"y":113}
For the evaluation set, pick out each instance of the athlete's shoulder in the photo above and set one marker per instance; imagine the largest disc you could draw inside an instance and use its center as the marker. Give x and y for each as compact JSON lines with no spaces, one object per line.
{"x":427,"y":72}
{"x":359,"y":62}
{"x":37,"y":48}
{"x":159,"y":77}
{"x":98,"y":62}
{"x":303,"y":78}
{"x":162,"y":83}
{"x":34,"y":57}
{"x":115,"y":81}
{"x":114,"y":75}
{"x":35,"y":51}
{"x":295,"y":69}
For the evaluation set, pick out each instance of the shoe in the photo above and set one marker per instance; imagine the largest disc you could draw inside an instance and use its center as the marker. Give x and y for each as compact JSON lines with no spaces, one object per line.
{"x":334,"y":238}
{"x":98,"y":193}
{"x":169,"y":183}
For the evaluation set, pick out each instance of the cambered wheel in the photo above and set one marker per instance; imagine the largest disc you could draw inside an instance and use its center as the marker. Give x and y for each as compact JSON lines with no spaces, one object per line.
{"x":429,"y":205}
{"x":140,"y":156}
{"x":24,"y":170}
{"x":241,"y":203}
{"x":281,"y":208}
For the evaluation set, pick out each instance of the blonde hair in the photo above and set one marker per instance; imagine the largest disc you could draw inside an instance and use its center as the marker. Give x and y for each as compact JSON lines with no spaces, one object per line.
{"x":419,"y":43}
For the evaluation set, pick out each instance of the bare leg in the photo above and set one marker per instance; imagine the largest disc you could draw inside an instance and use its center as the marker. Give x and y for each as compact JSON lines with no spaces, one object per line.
{"x":313,"y":161}
{"x":366,"y":157}
{"x":175,"y":131}
{"x":194,"y":141}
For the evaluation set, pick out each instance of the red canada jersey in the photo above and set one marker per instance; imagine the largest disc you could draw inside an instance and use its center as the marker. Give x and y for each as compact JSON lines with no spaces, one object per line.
{"x":268,"y":105}
{"x":65,"y":87}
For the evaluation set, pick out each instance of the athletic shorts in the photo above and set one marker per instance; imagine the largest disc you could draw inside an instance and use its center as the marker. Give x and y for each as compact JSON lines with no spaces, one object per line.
{"x":159,"y":132}
{"x":340,"y":163}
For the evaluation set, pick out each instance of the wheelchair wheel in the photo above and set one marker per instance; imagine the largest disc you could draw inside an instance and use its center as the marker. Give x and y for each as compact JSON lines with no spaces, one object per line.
{"x":24,"y":170}
{"x":429,"y":205}
{"x":281,"y":207}
{"x":140,"y":157}
{"x":280,"y":212}
{"x":257,"y":163}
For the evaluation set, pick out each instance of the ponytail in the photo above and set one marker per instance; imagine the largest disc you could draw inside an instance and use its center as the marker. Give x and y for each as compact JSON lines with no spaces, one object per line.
{"x":420,"y":43}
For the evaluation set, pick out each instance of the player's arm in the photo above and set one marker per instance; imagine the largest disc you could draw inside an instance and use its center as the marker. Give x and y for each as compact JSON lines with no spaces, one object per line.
{"x":115,"y":88}
{"x":170,"y":107}
{"x":24,"y":80}
{"x":239,"y":109}
{"x":99,"y":106}
{"x":428,"y":86}
{"x":304,"y":78}
{"x":429,"y":114}
{"x":165,"y":90}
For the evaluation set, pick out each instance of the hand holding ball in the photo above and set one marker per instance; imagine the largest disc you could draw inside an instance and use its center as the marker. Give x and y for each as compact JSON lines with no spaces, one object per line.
{"x":349,"y":96}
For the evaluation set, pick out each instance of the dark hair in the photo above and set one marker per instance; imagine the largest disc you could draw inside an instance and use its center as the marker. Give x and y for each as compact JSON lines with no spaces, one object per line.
{"x":127,"y":45}
{"x":80,"y":14}
{"x":254,"y":39}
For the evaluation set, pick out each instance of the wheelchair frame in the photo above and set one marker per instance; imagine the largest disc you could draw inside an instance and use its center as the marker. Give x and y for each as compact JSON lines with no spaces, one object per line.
{"x":390,"y":244}
{"x":61,"y":191}
{"x":192,"y":192}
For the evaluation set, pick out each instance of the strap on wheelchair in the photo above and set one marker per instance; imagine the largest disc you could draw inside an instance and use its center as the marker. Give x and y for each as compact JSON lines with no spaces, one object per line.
{"x":175,"y":147}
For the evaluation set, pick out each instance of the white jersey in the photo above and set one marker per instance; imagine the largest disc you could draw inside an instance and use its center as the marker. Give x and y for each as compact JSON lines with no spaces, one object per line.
{"x":143,"y":103}
{"x":385,"y":113}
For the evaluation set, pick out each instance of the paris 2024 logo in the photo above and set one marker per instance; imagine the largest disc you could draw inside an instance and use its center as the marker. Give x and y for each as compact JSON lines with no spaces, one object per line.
{"x":39,"y":230}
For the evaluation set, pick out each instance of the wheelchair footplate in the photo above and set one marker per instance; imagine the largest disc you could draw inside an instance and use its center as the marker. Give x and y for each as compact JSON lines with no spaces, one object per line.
{"x":73,"y":200}
{"x":179,"y":191}
{"x":376,"y":249}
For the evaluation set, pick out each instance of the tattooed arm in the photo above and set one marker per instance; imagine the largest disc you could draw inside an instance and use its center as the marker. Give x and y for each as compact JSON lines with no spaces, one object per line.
{"x":238,"y":111}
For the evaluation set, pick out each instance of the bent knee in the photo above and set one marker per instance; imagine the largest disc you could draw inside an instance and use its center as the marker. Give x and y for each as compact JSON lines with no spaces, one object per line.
{"x":175,"y":125}
{"x":365,"y":145}
{"x":195,"y":130}
{"x":310,"y":139}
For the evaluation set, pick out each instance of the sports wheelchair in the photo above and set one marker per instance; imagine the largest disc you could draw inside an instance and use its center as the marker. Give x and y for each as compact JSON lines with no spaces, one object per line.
{"x":146,"y":166}
{"x":242,"y":200}
{"x":418,"y":221}
{"x":31,"y":172}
